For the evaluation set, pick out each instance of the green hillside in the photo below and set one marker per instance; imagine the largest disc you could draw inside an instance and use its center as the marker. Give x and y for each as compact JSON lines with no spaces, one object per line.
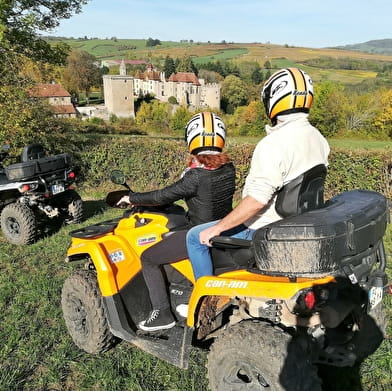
{"x":204,"y":52}
{"x":113,"y":48}
{"x":380,"y":46}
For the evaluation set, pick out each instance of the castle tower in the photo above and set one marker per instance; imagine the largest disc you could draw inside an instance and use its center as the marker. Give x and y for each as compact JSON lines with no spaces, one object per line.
{"x":118,"y":93}
{"x":123,"y":68}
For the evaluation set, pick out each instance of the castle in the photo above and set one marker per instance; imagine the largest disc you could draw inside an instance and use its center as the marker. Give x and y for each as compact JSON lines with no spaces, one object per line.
{"x":121,"y":90}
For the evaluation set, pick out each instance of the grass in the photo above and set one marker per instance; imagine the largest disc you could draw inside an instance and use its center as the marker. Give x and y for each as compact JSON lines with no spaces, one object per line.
{"x":336,"y":143}
{"x":37,"y":354}
{"x":348,"y":144}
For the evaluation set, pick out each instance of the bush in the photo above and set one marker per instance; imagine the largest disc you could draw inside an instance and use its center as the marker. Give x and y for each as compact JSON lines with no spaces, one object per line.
{"x":154,"y":163}
{"x":179,"y":120}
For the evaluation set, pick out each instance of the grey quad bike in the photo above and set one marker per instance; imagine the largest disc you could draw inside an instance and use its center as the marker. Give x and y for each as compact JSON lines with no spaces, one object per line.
{"x":34,"y":190}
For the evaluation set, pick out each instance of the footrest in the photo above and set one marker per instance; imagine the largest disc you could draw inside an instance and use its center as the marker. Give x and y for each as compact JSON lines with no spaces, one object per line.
{"x":95,"y":230}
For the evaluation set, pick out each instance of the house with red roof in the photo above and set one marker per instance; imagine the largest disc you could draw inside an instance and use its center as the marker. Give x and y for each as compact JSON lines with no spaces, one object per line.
{"x":58,"y":98}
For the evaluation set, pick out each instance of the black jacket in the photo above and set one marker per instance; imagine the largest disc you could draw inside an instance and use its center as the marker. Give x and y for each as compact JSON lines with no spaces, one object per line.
{"x":207,"y":193}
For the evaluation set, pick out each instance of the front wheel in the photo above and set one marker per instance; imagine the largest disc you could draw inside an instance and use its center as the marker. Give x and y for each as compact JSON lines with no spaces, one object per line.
{"x":256,"y":356}
{"x":18,"y":223}
{"x":84,"y":314}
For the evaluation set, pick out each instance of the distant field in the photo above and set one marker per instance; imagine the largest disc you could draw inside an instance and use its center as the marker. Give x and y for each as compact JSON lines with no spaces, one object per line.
{"x":226,"y":54}
{"x":104,"y":48}
{"x":201,"y":52}
{"x":117,"y":48}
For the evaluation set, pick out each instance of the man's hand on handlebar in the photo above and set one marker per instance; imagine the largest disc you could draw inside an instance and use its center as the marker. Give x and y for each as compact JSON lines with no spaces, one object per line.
{"x":123,"y":202}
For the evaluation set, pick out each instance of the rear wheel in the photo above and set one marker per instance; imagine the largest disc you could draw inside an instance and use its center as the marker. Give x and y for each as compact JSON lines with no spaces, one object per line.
{"x":18,"y":224}
{"x":371,"y":333}
{"x":84,"y":314}
{"x":256,"y":356}
{"x":71,"y":207}
{"x":365,"y":341}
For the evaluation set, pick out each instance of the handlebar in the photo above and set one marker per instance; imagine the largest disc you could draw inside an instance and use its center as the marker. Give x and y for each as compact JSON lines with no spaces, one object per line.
{"x":113,"y":197}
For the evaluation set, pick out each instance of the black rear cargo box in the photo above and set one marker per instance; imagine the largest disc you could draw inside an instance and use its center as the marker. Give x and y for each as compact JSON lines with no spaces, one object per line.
{"x":342,"y":236}
{"x":36,"y":167}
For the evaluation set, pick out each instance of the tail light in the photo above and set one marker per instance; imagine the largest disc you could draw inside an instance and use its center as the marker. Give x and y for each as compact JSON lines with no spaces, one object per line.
{"x":24,"y":188}
{"x":71,"y":175}
{"x":27,"y":187}
{"x":390,"y":289}
{"x":311,"y":300}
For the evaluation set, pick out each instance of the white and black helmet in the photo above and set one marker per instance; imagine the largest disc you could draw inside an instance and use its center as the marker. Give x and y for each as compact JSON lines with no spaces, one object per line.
{"x":287,"y":91}
{"x":205,"y":132}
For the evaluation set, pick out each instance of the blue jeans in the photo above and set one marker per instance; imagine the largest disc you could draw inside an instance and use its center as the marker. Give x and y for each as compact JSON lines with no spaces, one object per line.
{"x":199,"y":254}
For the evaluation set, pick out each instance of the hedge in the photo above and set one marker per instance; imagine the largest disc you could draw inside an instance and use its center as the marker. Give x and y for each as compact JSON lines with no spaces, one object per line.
{"x":151,"y":163}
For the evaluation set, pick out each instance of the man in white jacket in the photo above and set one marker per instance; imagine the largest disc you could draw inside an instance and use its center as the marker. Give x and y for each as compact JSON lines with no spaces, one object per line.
{"x":292,"y":146}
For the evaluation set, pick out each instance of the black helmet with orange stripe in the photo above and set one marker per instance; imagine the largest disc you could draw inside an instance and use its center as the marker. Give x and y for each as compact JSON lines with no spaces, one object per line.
{"x":289,"y":90}
{"x":205,"y":133}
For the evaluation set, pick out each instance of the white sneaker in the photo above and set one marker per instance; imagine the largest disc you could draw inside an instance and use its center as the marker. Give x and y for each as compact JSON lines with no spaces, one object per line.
{"x":158,"y":320}
{"x":182,"y":310}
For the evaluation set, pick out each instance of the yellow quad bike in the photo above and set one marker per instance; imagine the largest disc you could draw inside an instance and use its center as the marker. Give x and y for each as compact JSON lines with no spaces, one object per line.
{"x":307,"y":290}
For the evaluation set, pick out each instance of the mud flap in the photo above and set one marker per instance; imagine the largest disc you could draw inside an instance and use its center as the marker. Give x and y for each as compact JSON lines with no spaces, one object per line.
{"x":172,"y":346}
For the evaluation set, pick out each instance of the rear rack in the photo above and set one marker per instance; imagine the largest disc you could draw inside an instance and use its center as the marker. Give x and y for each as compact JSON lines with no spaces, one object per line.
{"x":92,"y":231}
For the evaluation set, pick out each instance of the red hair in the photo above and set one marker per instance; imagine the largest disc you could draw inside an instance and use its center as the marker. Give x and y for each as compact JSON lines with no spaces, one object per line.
{"x":211,"y":161}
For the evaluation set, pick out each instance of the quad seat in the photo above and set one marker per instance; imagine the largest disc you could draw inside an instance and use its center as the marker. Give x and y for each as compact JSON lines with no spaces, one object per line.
{"x":302,"y":194}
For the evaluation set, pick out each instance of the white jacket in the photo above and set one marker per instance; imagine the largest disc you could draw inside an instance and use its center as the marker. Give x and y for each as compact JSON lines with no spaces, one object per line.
{"x":290,"y":148}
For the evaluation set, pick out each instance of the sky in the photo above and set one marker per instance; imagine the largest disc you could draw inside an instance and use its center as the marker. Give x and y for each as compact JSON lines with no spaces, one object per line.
{"x":307,"y":23}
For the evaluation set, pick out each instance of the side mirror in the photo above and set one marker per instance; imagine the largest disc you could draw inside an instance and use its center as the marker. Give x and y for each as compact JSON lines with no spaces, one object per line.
{"x":117,"y":177}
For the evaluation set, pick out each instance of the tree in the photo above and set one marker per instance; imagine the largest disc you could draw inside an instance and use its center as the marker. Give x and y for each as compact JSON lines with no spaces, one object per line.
{"x":234,"y":93}
{"x":152,"y":42}
{"x":215,"y":66}
{"x":153,"y":116}
{"x":229,"y":68}
{"x":257,"y":76}
{"x":186,"y":64}
{"x":81,"y":73}
{"x":169,"y":67}
{"x":179,"y":120}
{"x":210,"y":76}
{"x":21,"y":19}
{"x":24,"y":57}
{"x":327,"y":112}
{"x":249,"y":70}
{"x":248,"y":120}
{"x":24,"y":119}
{"x":383,"y":120}
{"x":172,"y":100}
{"x":360,"y":110}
